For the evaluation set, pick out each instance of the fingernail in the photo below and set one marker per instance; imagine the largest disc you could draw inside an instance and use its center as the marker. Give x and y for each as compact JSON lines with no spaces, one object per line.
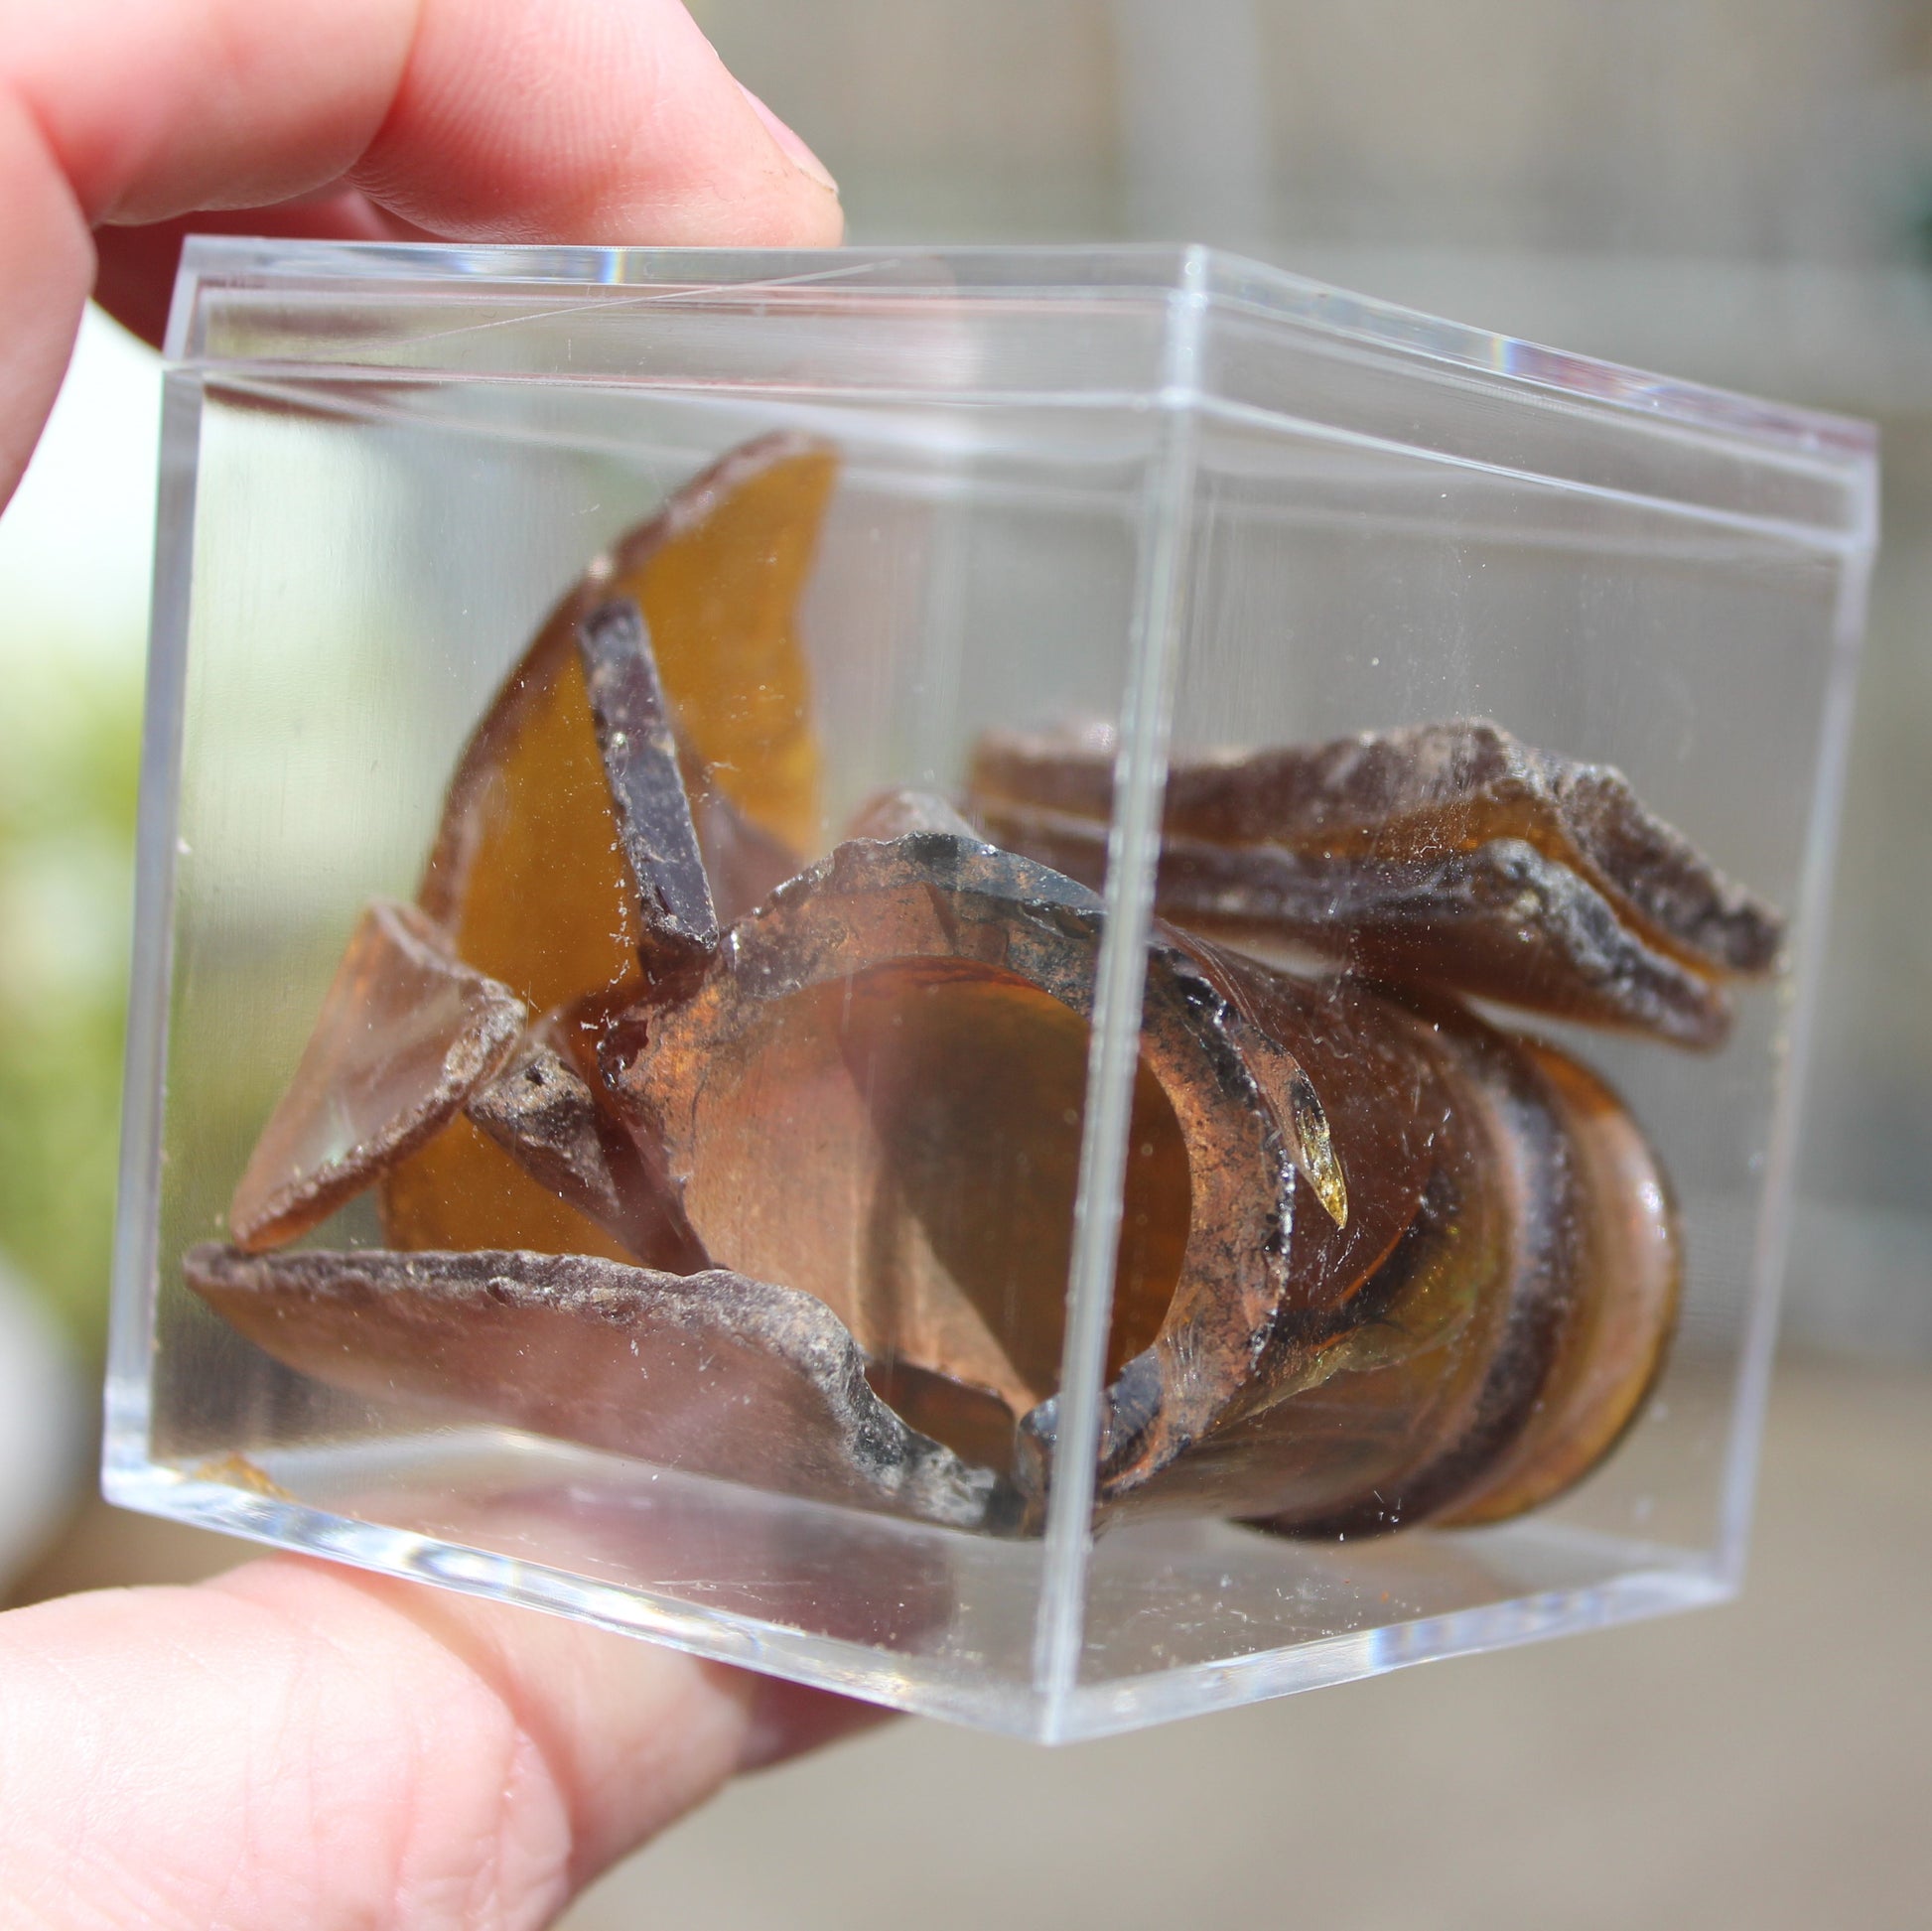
{"x":794,"y":150}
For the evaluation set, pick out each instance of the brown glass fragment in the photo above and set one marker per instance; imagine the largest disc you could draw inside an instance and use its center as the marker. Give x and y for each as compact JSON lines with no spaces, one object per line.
{"x":564,"y":863}
{"x":1424,"y":1411}
{"x":529,"y":818}
{"x":545,"y":1116}
{"x":1480,"y":1339}
{"x":708,"y":1372}
{"x":892,"y":814}
{"x":235,"y":1470}
{"x":1613,"y":1347}
{"x":1501,"y":922}
{"x":528,"y":877}
{"x":1558,"y":890}
{"x":743,"y":863}
{"x":550,"y":1111}
{"x":876,"y":1095}
{"x":463,"y":1187}
{"x":405,"y":1035}
{"x":677,"y":926}
{"x":719,"y":574}
{"x":1414,"y":1275}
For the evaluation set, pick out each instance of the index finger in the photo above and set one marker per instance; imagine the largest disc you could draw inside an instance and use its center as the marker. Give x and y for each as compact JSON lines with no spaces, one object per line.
{"x":296,"y":1744}
{"x":519,"y":120}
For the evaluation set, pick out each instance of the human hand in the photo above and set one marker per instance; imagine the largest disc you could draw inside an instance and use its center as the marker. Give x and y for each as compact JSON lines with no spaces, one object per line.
{"x":126,"y":123}
{"x":296,"y":1745}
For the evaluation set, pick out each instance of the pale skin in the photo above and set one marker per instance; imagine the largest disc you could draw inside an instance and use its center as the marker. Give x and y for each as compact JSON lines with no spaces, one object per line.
{"x":294,"y":1745}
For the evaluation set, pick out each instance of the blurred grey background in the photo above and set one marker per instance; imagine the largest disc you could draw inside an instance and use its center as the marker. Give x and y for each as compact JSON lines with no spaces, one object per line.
{"x":1736,"y":191}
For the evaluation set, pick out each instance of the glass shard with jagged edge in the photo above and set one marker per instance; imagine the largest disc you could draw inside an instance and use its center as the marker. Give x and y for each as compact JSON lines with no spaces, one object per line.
{"x":768,"y":1169}
{"x":405,"y":1036}
{"x":1443,"y":854}
{"x":707,"y":1372}
{"x":542,"y":872}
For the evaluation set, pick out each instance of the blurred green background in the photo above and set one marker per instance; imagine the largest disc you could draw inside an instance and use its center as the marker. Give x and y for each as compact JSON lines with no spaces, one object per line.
{"x":75,"y":549}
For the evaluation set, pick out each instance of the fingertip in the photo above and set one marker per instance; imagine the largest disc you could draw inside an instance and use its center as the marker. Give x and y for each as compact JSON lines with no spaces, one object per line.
{"x":790,"y":1720}
{"x":46,"y":265}
{"x":792,"y":145}
{"x":634,"y":1733}
{"x":606,"y":121}
{"x":135,"y":270}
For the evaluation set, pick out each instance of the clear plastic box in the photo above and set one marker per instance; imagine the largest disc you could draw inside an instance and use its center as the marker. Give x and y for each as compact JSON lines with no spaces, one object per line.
{"x":1081,"y":1096}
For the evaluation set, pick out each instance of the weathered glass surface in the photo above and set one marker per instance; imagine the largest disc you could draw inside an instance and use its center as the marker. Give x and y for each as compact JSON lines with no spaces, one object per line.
{"x":406,"y":1034}
{"x":768,"y":1169}
{"x":1443,"y":854}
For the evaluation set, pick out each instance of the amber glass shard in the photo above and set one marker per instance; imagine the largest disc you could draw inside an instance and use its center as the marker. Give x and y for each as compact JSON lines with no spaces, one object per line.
{"x":876,"y":1095}
{"x":1524,"y":1290}
{"x":677,"y":926}
{"x":973,"y":1087}
{"x":1430,"y":1368}
{"x":975,"y":1423}
{"x":1415,"y":1285}
{"x":545,"y":1116}
{"x":1559,"y":1240}
{"x":464,"y":1189}
{"x":709,"y":1373}
{"x":1323,"y":1441}
{"x":744,"y":864}
{"x":234,"y":1470}
{"x":1612,"y":1348}
{"x":1479,"y":1331}
{"x":1501,"y":922}
{"x":565,"y":863}
{"x":1384,"y":1102}
{"x":720,"y":574}
{"x":1426,"y":792}
{"x":528,"y":877}
{"x":529,"y":872}
{"x":548,"y":1109}
{"x":404,"y":1036}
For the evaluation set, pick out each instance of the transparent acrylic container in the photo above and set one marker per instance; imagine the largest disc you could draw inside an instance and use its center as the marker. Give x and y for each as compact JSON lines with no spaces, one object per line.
{"x":1097,"y":1045}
